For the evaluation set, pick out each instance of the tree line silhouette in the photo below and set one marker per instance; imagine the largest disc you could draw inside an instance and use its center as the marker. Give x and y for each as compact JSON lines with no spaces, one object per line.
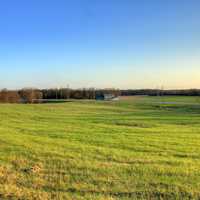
{"x":31,"y":95}
{"x":160,"y":92}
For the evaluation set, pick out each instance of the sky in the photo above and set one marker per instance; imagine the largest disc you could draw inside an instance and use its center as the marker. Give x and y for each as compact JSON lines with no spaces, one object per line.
{"x":100,"y":43}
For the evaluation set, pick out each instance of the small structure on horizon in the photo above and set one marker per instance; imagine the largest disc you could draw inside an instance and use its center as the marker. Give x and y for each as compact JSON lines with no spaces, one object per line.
{"x":106,"y":97}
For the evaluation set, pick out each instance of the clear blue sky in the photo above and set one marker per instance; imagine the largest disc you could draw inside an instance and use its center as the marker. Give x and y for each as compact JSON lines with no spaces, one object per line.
{"x":100,"y":43}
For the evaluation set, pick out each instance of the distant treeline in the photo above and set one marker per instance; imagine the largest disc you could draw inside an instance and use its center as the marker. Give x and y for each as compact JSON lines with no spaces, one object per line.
{"x":66,"y":93}
{"x":30,"y":95}
{"x":20,"y":96}
{"x":155,"y":92}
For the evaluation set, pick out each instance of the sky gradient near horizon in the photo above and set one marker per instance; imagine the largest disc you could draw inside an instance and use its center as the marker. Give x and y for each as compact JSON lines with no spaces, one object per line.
{"x":100,"y":43}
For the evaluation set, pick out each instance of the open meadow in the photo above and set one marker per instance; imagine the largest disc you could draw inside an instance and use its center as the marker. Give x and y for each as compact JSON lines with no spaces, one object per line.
{"x":134,"y":148}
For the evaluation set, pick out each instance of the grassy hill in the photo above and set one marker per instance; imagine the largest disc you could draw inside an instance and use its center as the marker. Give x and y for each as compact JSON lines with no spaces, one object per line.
{"x":135,"y":148}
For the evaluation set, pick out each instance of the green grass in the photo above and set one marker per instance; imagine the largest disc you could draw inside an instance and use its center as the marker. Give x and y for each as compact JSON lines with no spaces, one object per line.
{"x":129,"y":149}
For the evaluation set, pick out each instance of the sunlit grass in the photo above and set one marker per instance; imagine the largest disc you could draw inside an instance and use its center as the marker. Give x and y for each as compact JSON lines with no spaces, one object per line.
{"x":135,"y":148}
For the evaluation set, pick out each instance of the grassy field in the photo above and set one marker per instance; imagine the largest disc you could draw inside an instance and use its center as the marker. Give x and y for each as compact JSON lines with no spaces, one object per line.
{"x":135,"y":148}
